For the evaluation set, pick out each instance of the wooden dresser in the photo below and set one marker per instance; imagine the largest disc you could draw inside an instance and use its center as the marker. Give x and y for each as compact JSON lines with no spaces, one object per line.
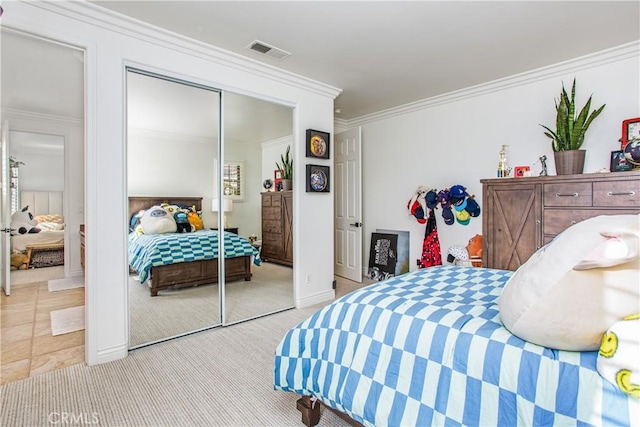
{"x":277,"y":231}
{"x":520,"y":215}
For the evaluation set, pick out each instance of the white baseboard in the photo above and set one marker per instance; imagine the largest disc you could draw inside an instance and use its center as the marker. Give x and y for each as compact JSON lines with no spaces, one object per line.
{"x":316,"y":299}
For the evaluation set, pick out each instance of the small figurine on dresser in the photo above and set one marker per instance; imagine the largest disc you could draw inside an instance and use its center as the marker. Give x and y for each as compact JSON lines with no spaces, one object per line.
{"x":543,"y":164}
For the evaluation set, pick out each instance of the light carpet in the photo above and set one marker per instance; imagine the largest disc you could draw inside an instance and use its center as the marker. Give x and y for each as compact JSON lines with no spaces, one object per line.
{"x":176,"y":312}
{"x":220,"y":377}
{"x":66,"y":283}
{"x":67,"y":320}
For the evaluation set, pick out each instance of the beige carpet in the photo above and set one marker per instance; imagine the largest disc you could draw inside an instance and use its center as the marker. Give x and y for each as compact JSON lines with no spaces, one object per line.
{"x":67,"y":320}
{"x":180,"y":311}
{"x":220,"y":377}
{"x":65,"y":283}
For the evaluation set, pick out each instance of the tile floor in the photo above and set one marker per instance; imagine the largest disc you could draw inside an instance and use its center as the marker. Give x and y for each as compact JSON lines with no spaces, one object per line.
{"x":27,"y":347}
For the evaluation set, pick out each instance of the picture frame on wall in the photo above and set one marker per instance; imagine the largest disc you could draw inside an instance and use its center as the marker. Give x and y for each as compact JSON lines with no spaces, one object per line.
{"x":317,"y":144}
{"x":619,"y":163}
{"x":630,"y":131}
{"x":317,"y":178}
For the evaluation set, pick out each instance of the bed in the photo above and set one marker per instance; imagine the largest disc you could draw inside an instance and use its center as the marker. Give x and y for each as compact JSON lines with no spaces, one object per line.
{"x":163,"y":269}
{"x":428,"y":348}
{"x":45,"y":248}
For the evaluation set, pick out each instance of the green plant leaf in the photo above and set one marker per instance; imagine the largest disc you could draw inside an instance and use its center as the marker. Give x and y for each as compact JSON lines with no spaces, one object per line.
{"x":570,"y":129}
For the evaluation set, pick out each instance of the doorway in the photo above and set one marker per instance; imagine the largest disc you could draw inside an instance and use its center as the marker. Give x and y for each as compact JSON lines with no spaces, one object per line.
{"x":43,"y":108}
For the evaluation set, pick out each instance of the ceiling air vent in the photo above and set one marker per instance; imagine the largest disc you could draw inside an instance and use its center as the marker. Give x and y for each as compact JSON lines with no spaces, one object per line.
{"x":268,"y":50}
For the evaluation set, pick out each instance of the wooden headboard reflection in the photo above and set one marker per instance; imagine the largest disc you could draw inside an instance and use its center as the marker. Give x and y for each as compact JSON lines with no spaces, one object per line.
{"x":138,"y":203}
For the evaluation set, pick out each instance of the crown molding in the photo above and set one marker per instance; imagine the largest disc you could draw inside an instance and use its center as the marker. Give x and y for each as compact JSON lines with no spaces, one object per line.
{"x":112,"y":21}
{"x":170,"y":136}
{"x":17,"y":114}
{"x":615,"y":54}
{"x":276,"y":142}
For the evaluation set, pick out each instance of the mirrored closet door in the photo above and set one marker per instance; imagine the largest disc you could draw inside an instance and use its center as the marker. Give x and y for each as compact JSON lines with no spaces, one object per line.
{"x":172,"y":142}
{"x":176,"y":165}
{"x":256,"y":133}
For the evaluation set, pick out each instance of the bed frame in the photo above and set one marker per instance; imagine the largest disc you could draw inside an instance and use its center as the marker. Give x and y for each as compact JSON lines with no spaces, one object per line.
{"x":191,"y":273}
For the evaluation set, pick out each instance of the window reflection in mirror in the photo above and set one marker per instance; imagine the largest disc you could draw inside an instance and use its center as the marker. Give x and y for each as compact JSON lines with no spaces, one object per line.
{"x":256,"y":133}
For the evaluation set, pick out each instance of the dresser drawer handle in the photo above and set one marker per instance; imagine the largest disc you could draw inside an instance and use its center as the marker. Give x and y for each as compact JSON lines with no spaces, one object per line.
{"x":567,"y":195}
{"x":626,"y":193}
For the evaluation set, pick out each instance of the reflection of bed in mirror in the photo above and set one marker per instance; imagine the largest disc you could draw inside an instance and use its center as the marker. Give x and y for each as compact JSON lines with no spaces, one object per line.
{"x":46,"y":248}
{"x":198,"y":271}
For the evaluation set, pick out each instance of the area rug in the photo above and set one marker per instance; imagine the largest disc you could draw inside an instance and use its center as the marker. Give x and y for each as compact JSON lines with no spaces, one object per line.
{"x":67,"y":320}
{"x":66,"y":283}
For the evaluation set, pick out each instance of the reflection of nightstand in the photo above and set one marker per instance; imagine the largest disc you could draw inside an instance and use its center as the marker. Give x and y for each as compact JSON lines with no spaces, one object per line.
{"x":233,"y":230}
{"x":258,"y":245}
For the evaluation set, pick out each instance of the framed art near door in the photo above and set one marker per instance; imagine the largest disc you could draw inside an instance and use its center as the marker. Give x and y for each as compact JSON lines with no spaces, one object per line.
{"x":317,"y":179}
{"x":317,"y":144}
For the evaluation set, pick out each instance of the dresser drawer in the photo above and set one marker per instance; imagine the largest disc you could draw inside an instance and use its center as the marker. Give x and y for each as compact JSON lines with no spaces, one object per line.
{"x":271,"y":227}
{"x":568,"y":194}
{"x":558,"y":220}
{"x":617,"y":193}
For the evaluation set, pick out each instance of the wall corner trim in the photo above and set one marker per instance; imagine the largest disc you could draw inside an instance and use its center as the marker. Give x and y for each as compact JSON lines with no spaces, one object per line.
{"x":112,"y":21}
{"x":607,"y":56}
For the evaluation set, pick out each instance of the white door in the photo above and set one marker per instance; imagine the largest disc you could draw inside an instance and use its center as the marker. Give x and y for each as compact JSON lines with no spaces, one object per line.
{"x":5,"y":215}
{"x":348,"y":205}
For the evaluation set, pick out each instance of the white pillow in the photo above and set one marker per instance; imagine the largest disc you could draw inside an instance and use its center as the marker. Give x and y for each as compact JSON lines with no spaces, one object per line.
{"x":573,"y":289}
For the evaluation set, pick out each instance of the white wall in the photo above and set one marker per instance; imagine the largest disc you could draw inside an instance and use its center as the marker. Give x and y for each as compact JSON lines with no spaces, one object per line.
{"x":109,"y":49}
{"x":455,"y":139}
{"x":43,"y":158}
{"x":163,"y":164}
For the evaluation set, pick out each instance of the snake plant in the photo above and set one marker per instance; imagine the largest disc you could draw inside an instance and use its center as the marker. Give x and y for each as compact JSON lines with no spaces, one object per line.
{"x":570,"y":129}
{"x":287,"y":164}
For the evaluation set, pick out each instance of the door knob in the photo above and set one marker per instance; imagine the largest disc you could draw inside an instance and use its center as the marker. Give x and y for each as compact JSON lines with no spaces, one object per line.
{"x":357,"y":224}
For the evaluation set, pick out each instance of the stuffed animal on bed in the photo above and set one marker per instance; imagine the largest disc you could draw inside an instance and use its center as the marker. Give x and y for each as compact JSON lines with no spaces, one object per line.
{"x":195,"y":220}
{"x":156,"y":220}
{"x":182,"y":222}
{"x":23,"y":222}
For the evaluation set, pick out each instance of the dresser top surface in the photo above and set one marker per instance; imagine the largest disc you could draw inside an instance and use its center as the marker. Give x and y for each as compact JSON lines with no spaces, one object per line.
{"x":613,"y":176}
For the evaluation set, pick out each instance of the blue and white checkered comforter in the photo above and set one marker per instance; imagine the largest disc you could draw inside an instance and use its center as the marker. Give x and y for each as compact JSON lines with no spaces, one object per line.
{"x":428,"y":348}
{"x":150,"y":250}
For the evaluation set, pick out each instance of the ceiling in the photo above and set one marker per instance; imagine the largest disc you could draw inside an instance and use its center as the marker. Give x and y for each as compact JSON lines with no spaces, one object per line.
{"x":383,"y":54}
{"x":46,"y":78}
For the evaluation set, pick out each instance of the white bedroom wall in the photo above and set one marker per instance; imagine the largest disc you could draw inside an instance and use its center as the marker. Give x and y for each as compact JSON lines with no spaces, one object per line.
{"x":43,"y":158}
{"x":112,"y":43}
{"x":455,"y":138}
{"x":185,"y":174}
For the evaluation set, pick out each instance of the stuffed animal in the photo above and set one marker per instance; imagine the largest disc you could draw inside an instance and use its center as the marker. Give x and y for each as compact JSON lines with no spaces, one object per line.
{"x":19,"y":261}
{"x":182,"y":222}
{"x":23,"y":222}
{"x":156,"y":220}
{"x":195,"y":220}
